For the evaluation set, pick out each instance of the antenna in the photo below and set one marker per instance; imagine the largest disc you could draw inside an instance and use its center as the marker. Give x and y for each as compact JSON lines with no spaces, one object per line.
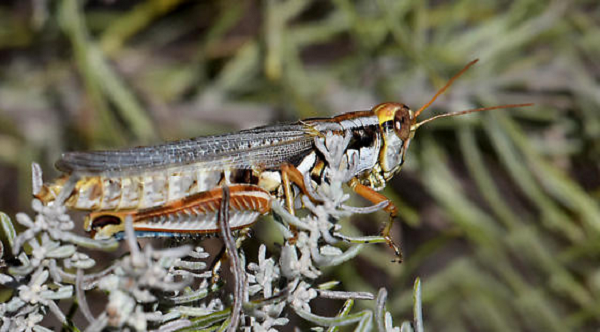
{"x":419,"y":124}
{"x":445,"y":87}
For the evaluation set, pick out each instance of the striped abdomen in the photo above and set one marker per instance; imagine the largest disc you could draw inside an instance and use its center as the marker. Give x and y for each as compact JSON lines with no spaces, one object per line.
{"x":94,"y":193}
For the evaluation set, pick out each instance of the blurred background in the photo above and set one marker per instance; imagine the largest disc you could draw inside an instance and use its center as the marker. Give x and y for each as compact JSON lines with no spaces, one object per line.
{"x":499,"y":212}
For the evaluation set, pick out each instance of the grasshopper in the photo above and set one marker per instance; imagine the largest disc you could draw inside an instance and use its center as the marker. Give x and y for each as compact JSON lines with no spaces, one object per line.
{"x":175,"y":188}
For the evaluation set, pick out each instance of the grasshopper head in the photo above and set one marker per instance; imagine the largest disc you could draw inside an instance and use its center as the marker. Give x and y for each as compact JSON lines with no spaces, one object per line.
{"x":395,"y":122}
{"x":398,"y":125}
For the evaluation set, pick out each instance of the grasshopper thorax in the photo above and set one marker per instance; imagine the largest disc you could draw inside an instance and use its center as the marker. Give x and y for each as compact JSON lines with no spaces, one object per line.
{"x":395,"y":122}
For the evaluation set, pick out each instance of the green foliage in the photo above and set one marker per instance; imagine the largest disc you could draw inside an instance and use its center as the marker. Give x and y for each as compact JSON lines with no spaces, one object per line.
{"x":502,"y":209}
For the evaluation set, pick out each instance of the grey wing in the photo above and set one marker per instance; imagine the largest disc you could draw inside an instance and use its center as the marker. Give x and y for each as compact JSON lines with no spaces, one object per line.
{"x":265,"y":147}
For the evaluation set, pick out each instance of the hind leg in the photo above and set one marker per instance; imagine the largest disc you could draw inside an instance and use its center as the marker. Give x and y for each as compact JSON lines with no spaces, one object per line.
{"x":376,"y":198}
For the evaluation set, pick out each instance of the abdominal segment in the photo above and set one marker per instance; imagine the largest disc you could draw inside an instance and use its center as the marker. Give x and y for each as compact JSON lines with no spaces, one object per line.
{"x":151,"y":189}
{"x":194,"y":214}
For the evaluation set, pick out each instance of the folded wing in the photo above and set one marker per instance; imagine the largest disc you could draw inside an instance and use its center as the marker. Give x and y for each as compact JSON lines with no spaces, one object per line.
{"x":265,"y":147}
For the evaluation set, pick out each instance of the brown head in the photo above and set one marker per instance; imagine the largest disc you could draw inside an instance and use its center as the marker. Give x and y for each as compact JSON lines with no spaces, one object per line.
{"x":398,"y":124}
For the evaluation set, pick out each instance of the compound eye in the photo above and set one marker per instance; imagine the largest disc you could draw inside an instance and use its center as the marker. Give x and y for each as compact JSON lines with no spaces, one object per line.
{"x":402,"y":122}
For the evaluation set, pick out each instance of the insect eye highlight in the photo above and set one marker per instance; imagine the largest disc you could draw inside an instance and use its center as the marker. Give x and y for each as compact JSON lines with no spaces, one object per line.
{"x":397,"y":125}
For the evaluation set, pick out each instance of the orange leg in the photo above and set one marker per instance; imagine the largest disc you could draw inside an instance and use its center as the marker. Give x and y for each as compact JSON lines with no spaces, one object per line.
{"x":290,"y":174}
{"x":286,"y":181}
{"x":376,"y":198}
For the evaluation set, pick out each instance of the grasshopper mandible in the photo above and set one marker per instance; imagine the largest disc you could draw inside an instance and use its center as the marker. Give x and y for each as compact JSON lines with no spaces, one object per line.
{"x":175,"y":188}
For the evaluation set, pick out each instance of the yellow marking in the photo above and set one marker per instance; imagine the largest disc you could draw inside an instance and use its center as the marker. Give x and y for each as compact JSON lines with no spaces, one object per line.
{"x":318,"y":169}
{"x":287,"y":191}
{"x":385,"y":112}
{"x":101,"y":203}
{"x":312,"y":129}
